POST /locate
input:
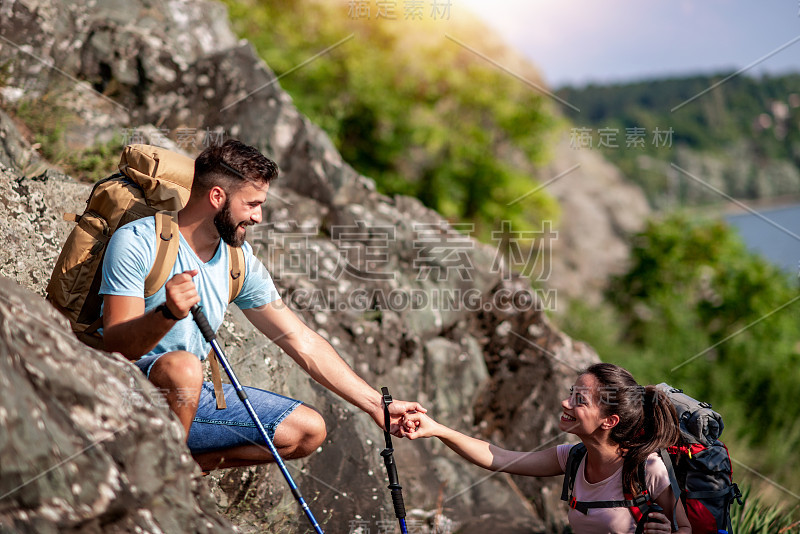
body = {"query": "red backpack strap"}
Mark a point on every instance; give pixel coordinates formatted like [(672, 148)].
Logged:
[(640, 511)]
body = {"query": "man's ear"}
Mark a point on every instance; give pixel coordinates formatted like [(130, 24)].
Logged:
[(610, 422), (217, 196)]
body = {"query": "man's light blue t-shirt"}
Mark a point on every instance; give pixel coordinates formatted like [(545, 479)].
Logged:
[(130, 256)]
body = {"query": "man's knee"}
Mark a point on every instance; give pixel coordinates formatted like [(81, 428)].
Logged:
[(179, 368), (305, 429), (316, 432)]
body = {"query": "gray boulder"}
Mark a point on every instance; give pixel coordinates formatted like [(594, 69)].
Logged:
[(85, 444)]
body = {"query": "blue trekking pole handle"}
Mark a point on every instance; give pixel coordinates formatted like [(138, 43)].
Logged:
[(210, 337), (391, 467)]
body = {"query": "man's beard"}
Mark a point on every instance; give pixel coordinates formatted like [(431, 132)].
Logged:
[(227, 227)]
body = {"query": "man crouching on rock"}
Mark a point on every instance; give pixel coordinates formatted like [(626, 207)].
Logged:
[(157, 332)]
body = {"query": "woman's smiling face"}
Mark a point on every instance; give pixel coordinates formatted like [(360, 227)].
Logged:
[(582, 415)]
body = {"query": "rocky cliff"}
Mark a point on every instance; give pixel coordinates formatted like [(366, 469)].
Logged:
[(406, 300)]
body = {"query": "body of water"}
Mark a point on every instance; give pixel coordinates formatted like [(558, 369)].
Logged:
[(775, 234)]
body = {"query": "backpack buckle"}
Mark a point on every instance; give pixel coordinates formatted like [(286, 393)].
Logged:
[(573, 503), (737, 494)]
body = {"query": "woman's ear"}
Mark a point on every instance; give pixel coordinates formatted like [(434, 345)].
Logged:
[(610, 422)]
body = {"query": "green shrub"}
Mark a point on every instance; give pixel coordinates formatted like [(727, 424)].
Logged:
[(423, 117), (697, 310), (760, 517)]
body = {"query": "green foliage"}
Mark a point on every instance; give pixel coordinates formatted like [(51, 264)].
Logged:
[(5, 69), (407, 107), (722, 125), (697, 310), (94, 163), (759, 517), (48, 120), (722, 319)]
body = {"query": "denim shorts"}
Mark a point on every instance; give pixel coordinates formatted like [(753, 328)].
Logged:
[(214, 430)]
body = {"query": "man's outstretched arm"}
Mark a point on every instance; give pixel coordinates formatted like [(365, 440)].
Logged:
[(319, 359)]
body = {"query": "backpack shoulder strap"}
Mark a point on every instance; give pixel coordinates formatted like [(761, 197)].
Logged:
[(167, 241), (640, 514), (235, 284), (576, 454), (673, 483), (641, 511), (237, 270)]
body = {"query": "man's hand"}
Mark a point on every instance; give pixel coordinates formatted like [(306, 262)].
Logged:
[(397, 411), (181, 293), (127, 329)]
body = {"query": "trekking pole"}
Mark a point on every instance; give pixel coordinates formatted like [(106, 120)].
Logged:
[(391, 468), (208, 334)]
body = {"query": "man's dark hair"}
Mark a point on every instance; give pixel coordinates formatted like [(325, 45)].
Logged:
[(230, 166)]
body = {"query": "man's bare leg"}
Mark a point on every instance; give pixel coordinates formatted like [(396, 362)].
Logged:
[(297, 436), (179, 375)]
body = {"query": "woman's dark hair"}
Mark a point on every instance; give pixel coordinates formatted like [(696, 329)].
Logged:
[(230, 166), (647, 419)]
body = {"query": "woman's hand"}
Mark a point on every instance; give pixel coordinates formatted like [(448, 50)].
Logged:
[(657, 523), (419, 425)]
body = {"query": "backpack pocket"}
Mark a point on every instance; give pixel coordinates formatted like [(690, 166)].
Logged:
[(79, 263), (709, 489)]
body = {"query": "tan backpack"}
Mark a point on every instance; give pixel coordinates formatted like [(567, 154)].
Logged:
[(152, 182)]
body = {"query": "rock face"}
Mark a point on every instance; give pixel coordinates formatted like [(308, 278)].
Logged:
[(83, 448), (599, 208), (407, 301)]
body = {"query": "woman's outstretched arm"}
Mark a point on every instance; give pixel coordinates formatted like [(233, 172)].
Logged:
[(481, 453)]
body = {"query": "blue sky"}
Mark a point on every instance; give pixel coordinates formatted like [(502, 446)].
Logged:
[(580, 41)]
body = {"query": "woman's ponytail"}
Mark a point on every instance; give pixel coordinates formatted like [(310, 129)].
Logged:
[(659, 430)]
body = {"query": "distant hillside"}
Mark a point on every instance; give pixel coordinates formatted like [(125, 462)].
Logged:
[(742, 136)]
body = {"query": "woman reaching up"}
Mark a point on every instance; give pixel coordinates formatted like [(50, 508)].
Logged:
[(622, 426)]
